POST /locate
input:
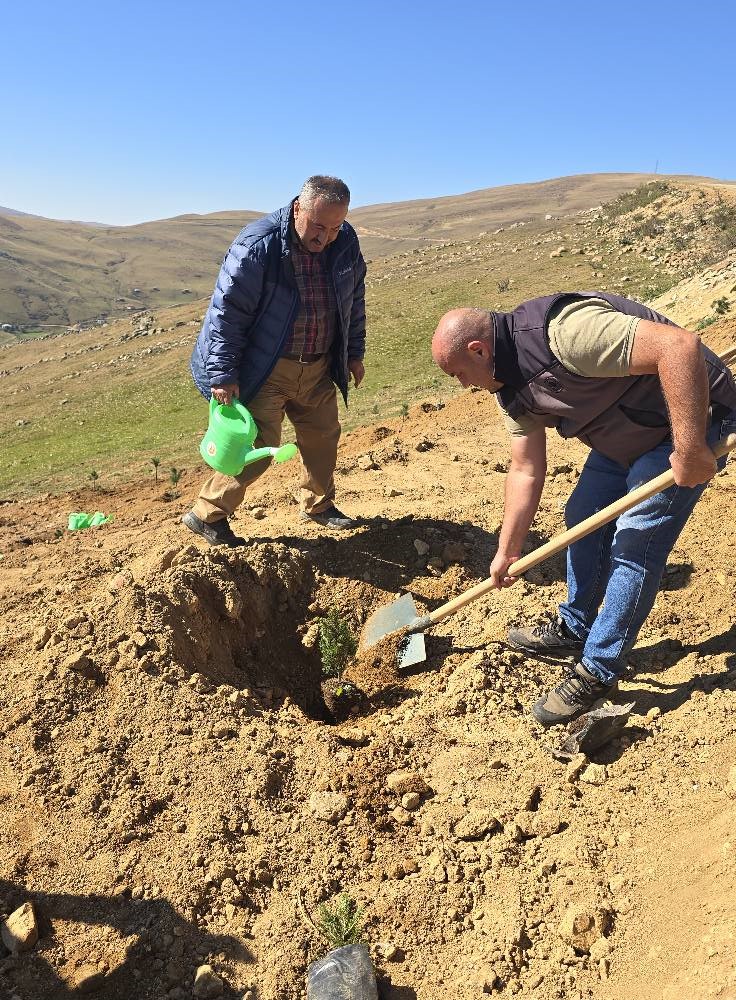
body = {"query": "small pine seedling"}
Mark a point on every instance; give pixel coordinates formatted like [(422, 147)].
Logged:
[(174, 476), (342, 923), (404, 411), (337, 643), (94, 476), (155, 462)]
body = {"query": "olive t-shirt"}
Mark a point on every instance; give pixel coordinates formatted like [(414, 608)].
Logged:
[(590, 338)]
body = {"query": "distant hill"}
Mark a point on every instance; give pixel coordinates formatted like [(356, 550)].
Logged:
[(65, 272)]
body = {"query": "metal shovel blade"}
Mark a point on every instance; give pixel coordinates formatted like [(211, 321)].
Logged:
[(392, 618)]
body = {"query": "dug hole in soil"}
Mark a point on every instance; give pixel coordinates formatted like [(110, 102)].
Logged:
[(174, 793)]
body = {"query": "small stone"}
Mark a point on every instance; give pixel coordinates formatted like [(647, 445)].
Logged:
[(476, 824), (354, 736), (594, 774), (366, 462), (207, 984), (185, 555), (41, 636), (583, 923), (653, 713), (139, 640), (389, 951), (574, 767), (402, 816), (19, 931), (311, 636), (120, 581), (600, 949), (411, 801), (401, 782), (223, 730), (328, 806), (421, 546), (80, 663), (258, 513)]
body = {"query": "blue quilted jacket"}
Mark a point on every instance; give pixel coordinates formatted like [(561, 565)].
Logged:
[(255, 302)]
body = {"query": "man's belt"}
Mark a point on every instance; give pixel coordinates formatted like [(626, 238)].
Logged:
[(304, 359)]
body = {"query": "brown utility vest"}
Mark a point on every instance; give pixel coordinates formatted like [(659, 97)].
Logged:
[(622, 418)]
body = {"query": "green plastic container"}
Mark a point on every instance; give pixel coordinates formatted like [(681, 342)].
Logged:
[(80, 520), (227, 447)]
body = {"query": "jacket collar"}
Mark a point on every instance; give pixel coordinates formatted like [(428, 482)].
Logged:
[(505, 361)]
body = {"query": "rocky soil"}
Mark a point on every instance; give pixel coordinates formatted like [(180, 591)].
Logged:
[(176, 801)]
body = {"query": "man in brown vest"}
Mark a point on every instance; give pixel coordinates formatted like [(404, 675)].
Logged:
[(645, 395)]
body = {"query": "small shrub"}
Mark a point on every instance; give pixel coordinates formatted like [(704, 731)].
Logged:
[(94, 476), (342, 923), (503, 284), (648, 228), (337, 643), (724, 216), (708, 321), (721, 306), (155, 462), (404, 411), (174, 476)]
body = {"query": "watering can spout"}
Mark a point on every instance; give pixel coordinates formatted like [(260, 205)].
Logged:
[(282, 454)]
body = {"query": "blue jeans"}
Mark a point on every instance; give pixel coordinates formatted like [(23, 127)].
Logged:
[(620, 566)]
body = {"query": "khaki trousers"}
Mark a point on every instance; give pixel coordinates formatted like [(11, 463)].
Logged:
[(306, 394)]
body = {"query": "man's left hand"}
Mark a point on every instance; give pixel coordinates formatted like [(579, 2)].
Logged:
[(357, 370)]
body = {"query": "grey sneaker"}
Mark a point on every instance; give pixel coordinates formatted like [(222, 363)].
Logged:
[(217, 533), (551, 636), (330, 518), (578, 692)]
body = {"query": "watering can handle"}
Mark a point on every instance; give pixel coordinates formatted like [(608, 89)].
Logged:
[(561, 541), (234, 402)]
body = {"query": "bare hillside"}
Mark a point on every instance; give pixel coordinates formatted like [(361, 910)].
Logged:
[(64, 272)]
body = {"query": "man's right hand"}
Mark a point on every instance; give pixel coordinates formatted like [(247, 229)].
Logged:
[(226, 393), (693, 467), (498, 572)]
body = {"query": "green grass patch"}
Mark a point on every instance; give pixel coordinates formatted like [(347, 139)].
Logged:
[(640, 197)]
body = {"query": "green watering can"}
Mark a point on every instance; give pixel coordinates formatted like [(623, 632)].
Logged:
[(228, 444)]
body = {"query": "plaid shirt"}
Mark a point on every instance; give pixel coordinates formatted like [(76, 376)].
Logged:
[(315, 323)]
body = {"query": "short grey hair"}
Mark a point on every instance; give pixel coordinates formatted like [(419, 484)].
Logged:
[(320, 187)]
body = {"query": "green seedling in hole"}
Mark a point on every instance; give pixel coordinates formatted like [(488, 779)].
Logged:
[(174, 476), (155, 462), (337, 643), (404, 411), (342, 923)]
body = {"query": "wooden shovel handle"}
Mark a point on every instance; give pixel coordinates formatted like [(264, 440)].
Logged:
[(559, 542)]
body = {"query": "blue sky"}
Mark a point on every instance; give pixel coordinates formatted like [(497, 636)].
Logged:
[(123, 112)]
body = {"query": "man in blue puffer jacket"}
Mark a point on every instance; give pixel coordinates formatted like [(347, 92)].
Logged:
[(286, 324)]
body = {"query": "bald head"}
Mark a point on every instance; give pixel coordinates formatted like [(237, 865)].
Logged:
[(462, 346)]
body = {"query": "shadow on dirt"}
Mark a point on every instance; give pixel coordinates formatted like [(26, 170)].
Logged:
[(666, 653), (144, 966)]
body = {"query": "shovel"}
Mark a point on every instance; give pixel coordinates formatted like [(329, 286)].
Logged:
[(401, 614)]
